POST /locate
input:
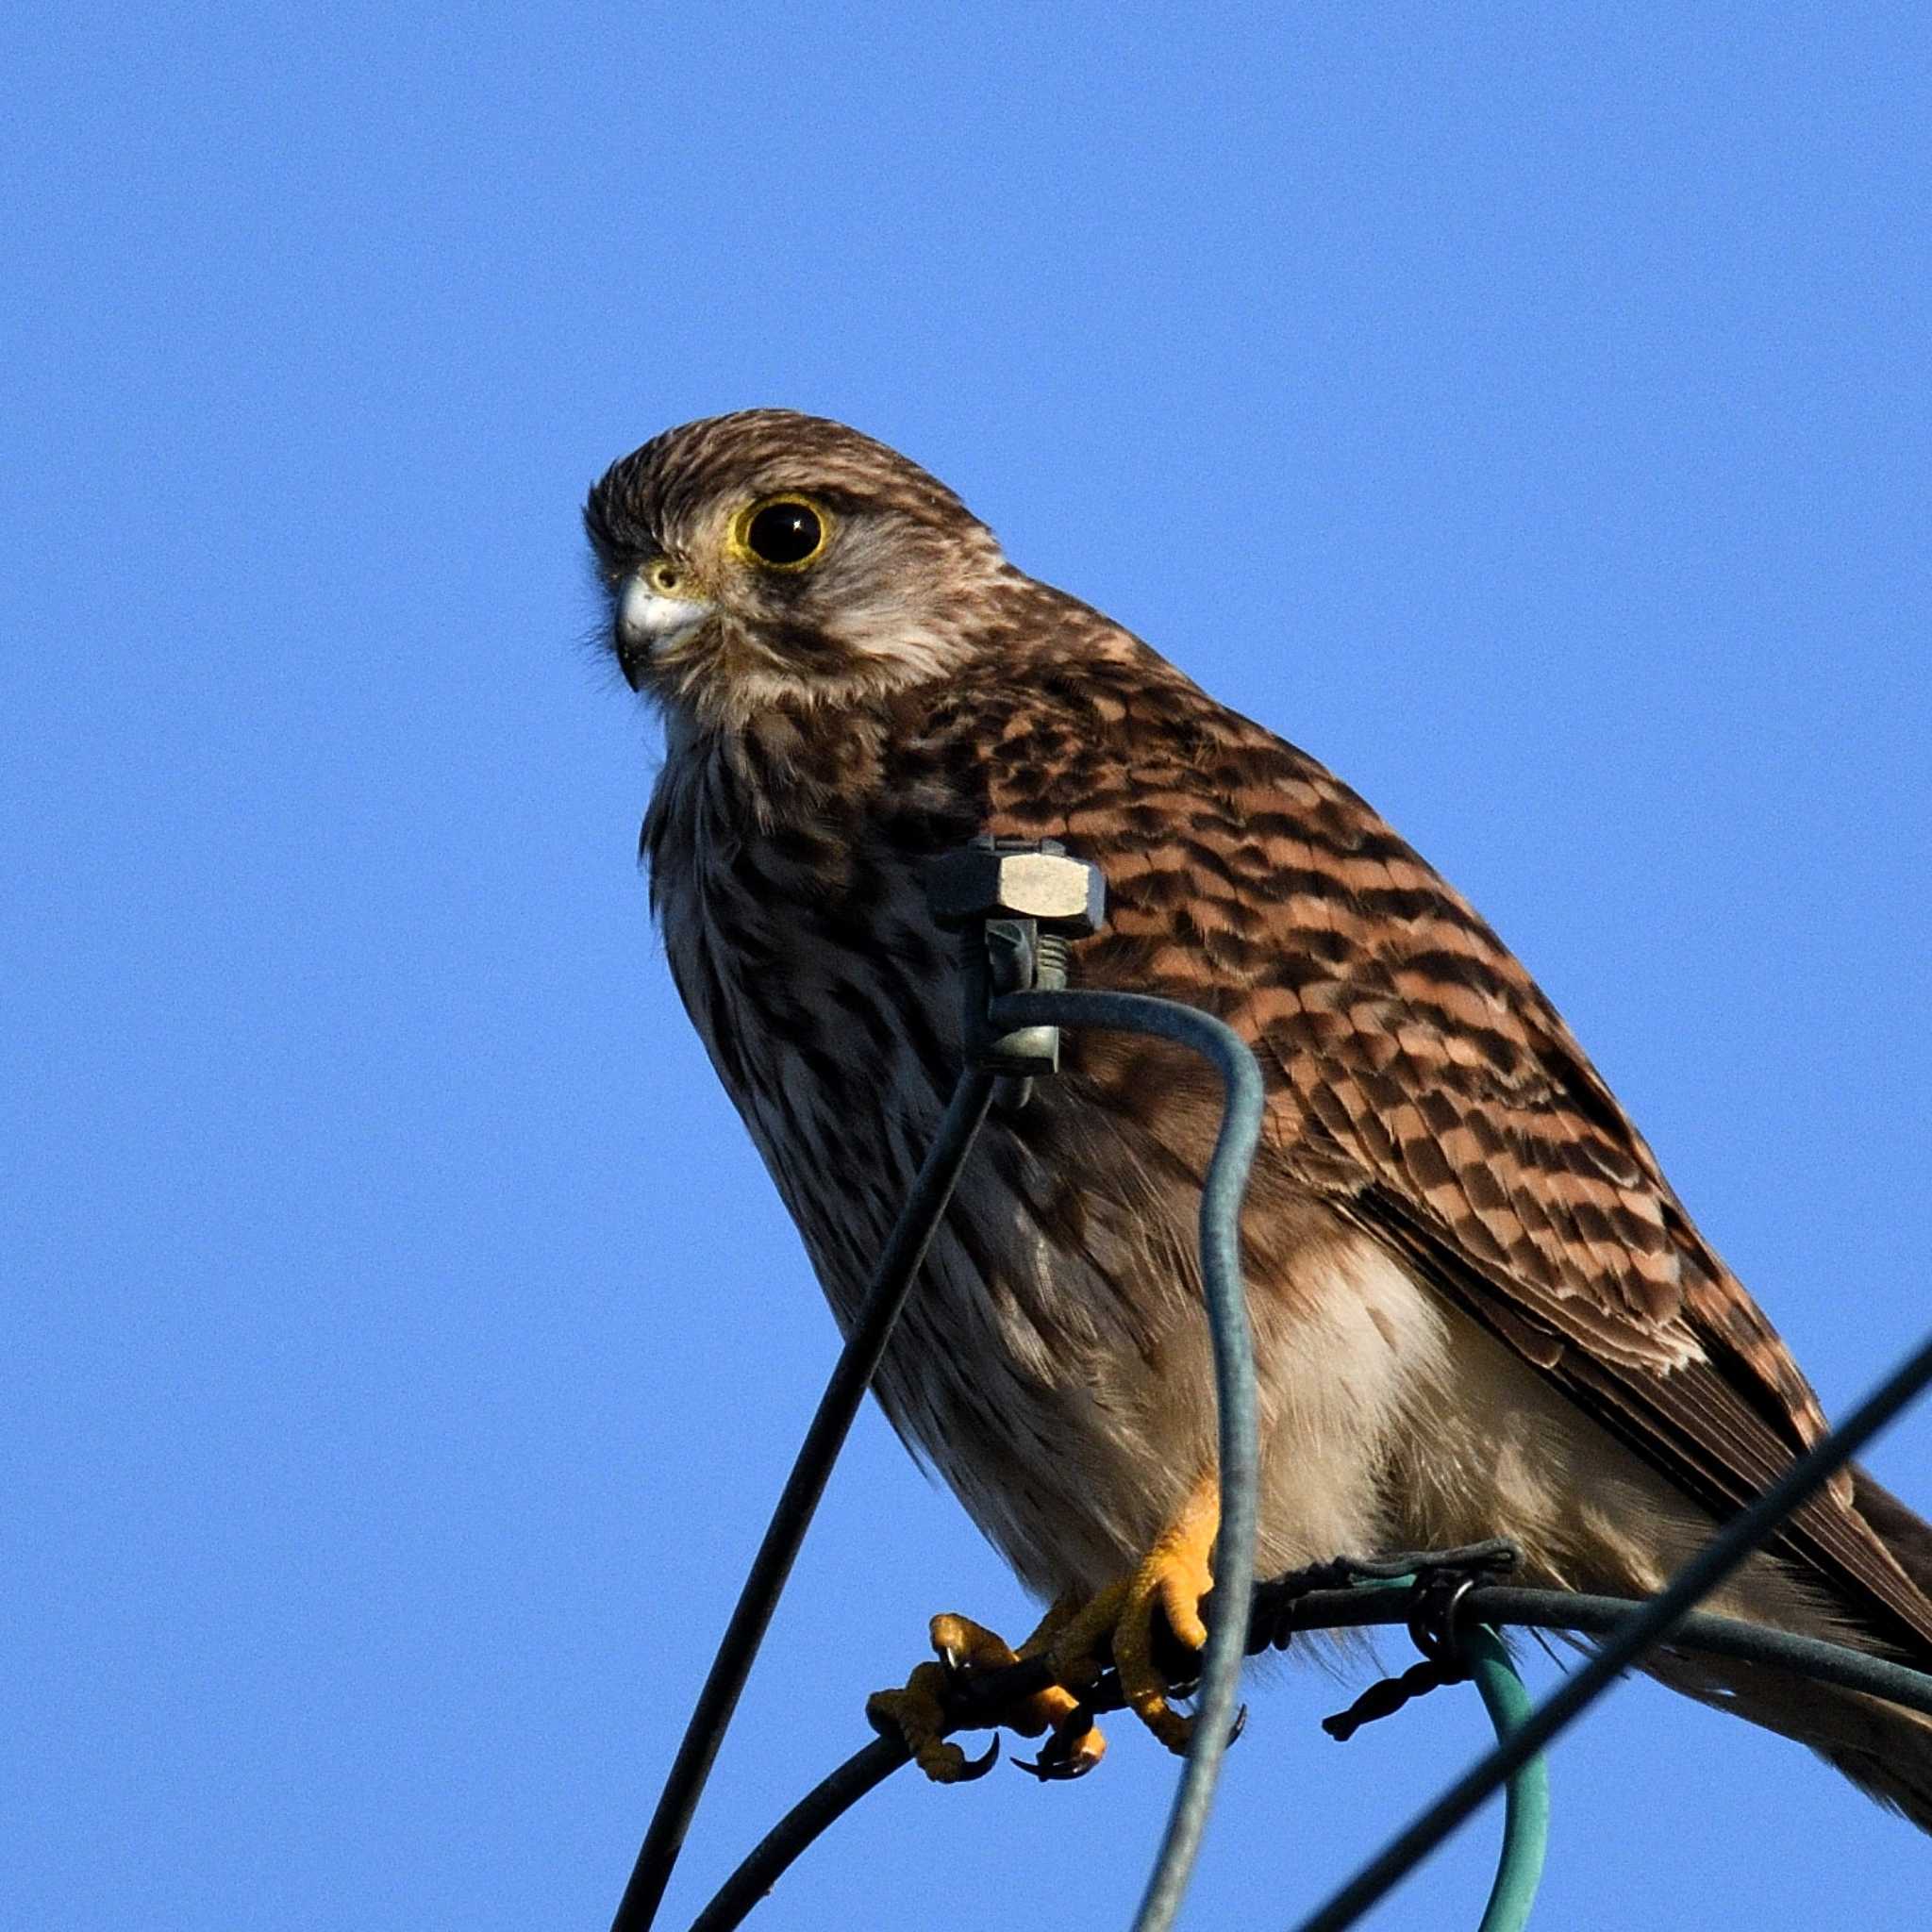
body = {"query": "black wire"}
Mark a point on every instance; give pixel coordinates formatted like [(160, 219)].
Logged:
[(1226, 1183), (1311, 1611), (891, 1281), (1754, 1644), (816, 1813), (971, 1702), (1599, 1616), (1746, 1532)]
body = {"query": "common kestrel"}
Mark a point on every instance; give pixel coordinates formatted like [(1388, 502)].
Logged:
[(1479, 1309)]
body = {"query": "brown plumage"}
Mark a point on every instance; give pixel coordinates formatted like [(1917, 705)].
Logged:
[(1479, 1307)]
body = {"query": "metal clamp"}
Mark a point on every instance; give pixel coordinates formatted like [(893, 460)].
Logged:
[(1017, 903)]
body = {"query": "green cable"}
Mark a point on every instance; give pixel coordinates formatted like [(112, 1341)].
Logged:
[(1526, 1797)]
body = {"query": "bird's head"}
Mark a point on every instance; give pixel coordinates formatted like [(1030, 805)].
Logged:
[(768, 559)]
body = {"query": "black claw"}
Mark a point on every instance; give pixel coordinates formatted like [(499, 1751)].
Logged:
[(1050, 1770), (1240, 1724), (978, 1767), (1057, 1763)]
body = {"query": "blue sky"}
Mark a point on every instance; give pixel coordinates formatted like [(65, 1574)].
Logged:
[(1526, 414)]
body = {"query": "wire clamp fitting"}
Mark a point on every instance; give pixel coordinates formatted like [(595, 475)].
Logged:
[(1017, 904), (1432, 1611), (1442, 1580)]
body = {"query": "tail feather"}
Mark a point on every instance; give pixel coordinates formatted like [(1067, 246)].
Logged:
[(1903, 1532), (1896, 1768), (1883, 1748)]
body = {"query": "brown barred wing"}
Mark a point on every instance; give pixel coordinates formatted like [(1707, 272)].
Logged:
[(1486, 1151), (1425, 1087)]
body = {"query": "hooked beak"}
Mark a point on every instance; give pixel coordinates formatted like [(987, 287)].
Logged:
[(649, 622)]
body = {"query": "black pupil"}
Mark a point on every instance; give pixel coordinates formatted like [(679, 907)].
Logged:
[(784, 533)]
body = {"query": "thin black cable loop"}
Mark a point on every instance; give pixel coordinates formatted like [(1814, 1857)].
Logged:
[(1222, 1193), (815, 1813), (1312, 1610), (891, 1281), (1226, 1184), (1746, 1532)]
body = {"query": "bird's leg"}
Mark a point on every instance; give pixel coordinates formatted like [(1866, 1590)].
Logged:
[(917, 1712), (1079, 1640), (1076, 1744), (1171, 1579)]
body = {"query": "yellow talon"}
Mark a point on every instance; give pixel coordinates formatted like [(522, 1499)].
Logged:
[(1171, 1579), (918, 1712), (1078, 1640)]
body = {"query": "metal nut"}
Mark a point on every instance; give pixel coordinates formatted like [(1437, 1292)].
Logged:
[(1038, 882)]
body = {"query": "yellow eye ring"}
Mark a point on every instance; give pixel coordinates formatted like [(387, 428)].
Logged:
[(784, 532)]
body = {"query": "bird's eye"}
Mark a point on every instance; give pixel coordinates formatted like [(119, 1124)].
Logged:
[(785, 532)]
